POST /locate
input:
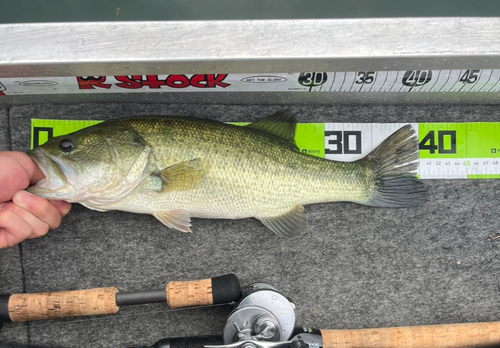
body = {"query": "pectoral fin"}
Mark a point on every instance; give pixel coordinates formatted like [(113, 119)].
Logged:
[(182, 176), (177, 219), (290, 225)]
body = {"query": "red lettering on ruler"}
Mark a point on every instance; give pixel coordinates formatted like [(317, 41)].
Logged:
[(137, 81), (214, 80), (177, 81), (91, 82), (209, 81), (199, 81), (153, 82), (131, 82), (2, 88)]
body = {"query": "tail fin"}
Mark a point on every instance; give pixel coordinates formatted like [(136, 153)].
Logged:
[(394, 164)]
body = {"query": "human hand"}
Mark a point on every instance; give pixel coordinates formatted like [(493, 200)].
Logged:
[(22, 214)]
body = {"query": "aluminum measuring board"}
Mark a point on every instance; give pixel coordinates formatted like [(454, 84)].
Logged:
[(389, 60), (447, 150)]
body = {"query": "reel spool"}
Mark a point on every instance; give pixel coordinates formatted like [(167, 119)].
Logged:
[(263, 314)]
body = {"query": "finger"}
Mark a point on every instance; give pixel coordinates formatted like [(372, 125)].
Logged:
[(62, 207), (38, 227), (39, 207), (13, 229), (18, 171), (36, 175), (32, 170)]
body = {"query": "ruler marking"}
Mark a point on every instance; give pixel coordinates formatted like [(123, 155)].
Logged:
[(494, 85), (449, 74), (402, 85), (393, 85), (343, 81), (476, 82), (363, 85), (464, 84), (373, 84), (417, 88), (333, 81), (335, 86), (458, 81), (318, 88), (383, 83), (444, 76), (347, 74), (388, 83), (352, 84), (466, 144), (397, 81), (492, 74), (488, 80), (439, 74)]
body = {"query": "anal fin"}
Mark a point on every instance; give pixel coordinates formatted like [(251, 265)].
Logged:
[(290, 225), (176, 219)]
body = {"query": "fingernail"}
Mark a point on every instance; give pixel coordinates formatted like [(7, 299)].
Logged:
[(22, 197), (1, 205)]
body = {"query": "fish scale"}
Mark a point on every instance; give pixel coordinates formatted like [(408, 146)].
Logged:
[(258, 170), (182, 167)]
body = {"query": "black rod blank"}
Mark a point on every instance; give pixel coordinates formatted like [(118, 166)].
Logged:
[(140, 297)]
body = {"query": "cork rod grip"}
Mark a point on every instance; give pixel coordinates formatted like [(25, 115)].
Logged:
[(189, 293), (433, 336), (64, 304)]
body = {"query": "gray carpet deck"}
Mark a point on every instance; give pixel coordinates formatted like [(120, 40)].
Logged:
[(357, 267)]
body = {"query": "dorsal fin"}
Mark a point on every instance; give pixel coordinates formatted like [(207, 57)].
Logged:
[(281, 124)]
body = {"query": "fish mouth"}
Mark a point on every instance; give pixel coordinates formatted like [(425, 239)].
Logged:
[(37, 156), (54, 170)]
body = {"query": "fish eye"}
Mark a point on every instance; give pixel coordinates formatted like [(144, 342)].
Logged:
[(66, 145)]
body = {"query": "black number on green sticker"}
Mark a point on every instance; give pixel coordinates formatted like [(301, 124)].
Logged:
[(446, 142), (346, 142), (37, 131), (447, 138)]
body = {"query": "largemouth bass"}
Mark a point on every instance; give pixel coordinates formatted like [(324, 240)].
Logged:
[(176, 168)]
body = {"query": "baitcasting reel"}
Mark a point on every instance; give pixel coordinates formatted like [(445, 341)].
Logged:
[(264, 318), (263, 314)]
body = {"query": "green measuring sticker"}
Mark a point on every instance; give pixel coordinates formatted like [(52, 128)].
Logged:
[(308, 137), (43, 130), (462, 150), (468, 150)]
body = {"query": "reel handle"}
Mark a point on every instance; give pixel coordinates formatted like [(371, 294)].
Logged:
[(75, 303), (431, 336)]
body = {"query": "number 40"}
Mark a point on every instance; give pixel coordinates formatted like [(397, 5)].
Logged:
[(429, 142)]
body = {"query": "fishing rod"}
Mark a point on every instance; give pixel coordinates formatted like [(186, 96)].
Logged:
[(264, 318), (220, 290)]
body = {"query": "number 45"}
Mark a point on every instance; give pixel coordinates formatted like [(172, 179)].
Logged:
[(470, 76)]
